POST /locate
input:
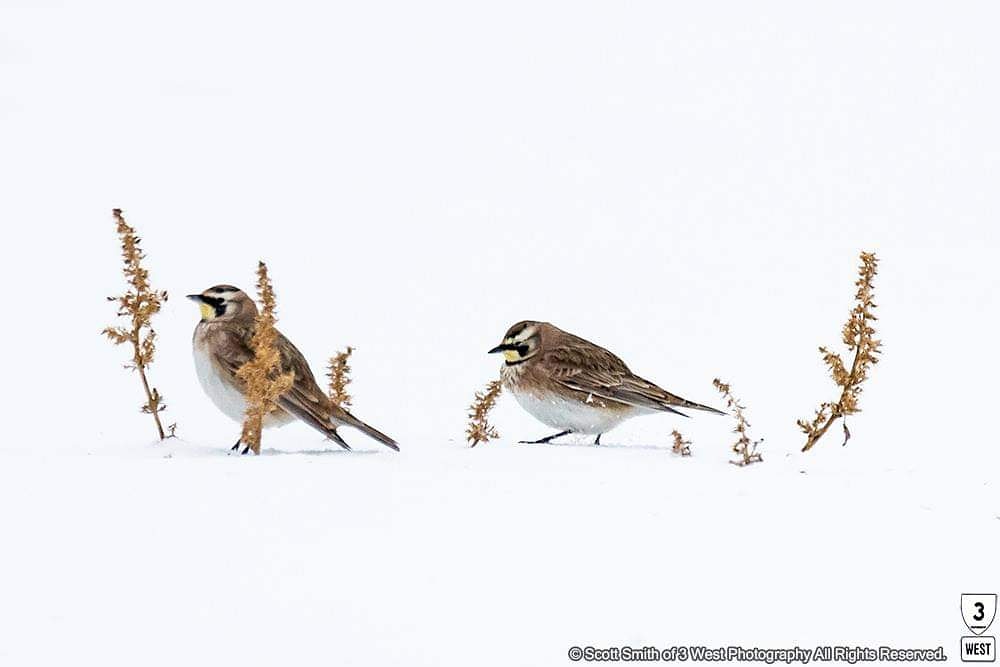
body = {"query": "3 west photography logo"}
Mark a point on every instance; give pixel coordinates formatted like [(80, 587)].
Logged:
[(978, 612)]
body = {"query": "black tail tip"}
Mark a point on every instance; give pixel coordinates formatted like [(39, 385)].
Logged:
[(333, 435)]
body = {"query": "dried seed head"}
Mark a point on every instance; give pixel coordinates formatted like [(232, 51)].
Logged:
[(681, 446), (339, 372), (138, 305), (479, 429), (744, 447), (262, 374), (857, 335)]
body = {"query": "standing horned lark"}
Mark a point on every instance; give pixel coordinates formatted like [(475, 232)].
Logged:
[(575, 386), (222, 345)]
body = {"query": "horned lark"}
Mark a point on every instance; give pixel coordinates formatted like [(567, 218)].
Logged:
[(572, 385), (222, 344)]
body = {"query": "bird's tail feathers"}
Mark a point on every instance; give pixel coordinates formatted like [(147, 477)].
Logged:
[(333, 435), (350, 420), (678, 402)]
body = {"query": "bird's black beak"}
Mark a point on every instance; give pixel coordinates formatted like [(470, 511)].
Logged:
[(196, 297), (501, 348)]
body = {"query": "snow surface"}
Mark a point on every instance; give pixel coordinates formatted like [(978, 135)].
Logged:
[(687, 185)]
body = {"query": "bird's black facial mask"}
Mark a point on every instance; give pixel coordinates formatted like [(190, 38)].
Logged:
[(513, 353), (211, 306)]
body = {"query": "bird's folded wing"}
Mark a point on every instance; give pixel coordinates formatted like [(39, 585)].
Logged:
[(304, 399), (604, 375), (230, 352)]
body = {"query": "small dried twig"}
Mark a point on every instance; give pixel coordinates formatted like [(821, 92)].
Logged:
[(480, 430), (744, 447), (138, 304), (858, 335), (262, 374), (339, 373), (681, 446)]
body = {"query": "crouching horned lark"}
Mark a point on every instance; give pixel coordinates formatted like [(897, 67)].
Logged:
[(575, 386), (222, 345)]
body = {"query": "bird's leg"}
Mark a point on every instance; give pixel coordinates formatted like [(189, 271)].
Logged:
[(545, 440), (237, 445), (245, 451), (598, 440)]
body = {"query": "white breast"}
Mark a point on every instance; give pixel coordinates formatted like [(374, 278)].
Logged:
[(226, 397), (564, 413)]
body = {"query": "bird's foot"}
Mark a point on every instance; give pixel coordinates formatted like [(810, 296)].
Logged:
[(545, 440)]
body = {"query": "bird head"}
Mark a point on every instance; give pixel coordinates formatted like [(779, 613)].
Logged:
[(224, 302), (521, 342)]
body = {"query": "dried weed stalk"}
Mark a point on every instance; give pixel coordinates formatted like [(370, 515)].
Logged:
[(264, 381), (858, 336), (480, 429), (339, 373), (745, 448), (681, 446), (138, 304)]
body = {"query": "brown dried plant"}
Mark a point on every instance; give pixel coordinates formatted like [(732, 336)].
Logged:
[(744, 447), (262, 374), (858, 335), (138, 304), (339, 373), (480, 429), (681, 446)]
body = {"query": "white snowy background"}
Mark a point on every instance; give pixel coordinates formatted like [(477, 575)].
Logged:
[(687, 184)]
